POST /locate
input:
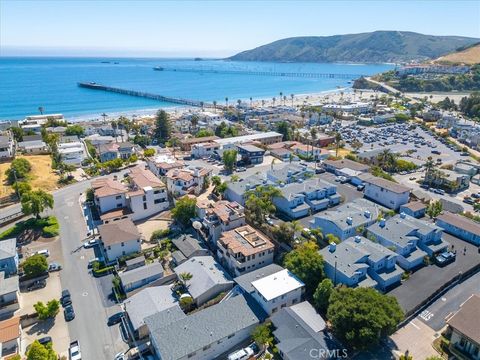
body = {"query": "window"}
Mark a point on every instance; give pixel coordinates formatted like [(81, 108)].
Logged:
[(191, 354), (230, 336), (144, 198), (157, 192), (206, 347), (274, 310), (123, 244), (463, 342), (118, 197), (158, 201), (119, 205)]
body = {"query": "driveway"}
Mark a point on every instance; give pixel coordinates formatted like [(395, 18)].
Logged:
[(425, 281)]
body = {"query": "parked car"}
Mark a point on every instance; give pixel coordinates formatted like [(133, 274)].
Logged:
[(38, 284), (476, 196), (412, 178), (120, 356), (445, 258), (241, 169), (242, 354), (54, 267), (66, 299), (269, 221), (92, 261), (319, 170), (439, 191), (436, 152), (90, 243), (115, 319), (74, 351), (69, 313), (360, 187), (468, 200), (44, 252)]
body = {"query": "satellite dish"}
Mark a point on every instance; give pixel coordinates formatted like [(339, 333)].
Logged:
[(197, 225)]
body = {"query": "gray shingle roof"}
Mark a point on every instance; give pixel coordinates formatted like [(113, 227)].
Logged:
[(296, 338), (188, 245), (206, 272), (245, 280), (147, 302), (118, 231), (205, 327), (142, 272), (8, 248), (8, 285)]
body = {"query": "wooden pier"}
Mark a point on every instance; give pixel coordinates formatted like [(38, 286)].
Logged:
[(310, 75), (147, 95)]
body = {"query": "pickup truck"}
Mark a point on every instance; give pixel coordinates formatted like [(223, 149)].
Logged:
[(74, 351)]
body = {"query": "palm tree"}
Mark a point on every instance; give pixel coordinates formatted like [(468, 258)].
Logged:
[(273, 163), (194, 121), (291, 97), (273, 100), (40, 109), (226, 101), (104, 117), (284, 99), (114, 127), (263, 102), (251, 99), (281, 95), (338, 141), (215, 105), (313, 134), (185, 277)]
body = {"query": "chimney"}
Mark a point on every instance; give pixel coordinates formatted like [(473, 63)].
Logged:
[(382, 222), (367, 214), (332, 247), (358, 239), (403, 215), (349, 220)]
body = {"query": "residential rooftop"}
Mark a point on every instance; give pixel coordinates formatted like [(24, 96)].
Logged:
[(387, 184), (277, 284), (245, 280), (118, 231), (467, 319), (245, 240), (461, 222)]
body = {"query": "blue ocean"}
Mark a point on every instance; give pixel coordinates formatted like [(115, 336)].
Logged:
[(28, 83)]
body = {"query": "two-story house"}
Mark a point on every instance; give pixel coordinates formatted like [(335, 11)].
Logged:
[(278, 290), (119, 238), (9, 292), (7, 148), (244, 249), (386, 192), (181, 182), (250, 154), (412, 239), (8, 256), (222, 216), (460, 226), (302, 198), (348, 219), (360, 262)]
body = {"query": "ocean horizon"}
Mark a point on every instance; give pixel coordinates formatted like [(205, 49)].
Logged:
[(26, 83)]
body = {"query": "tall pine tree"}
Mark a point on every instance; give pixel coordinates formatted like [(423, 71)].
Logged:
[(163, 128)]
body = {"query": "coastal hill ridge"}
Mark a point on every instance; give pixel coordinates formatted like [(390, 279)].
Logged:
[(371, 47)]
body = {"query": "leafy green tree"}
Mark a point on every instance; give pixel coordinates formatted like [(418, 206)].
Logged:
[(19, 168), (204, 133), (185, 277), (285, 129), (259, 203), (332, 239), (400, 117), (21, 187), (148, 152), (47, 311), (229, 158), (434, 209), (77, 130), (186, 303), (17, 133), (360, 317), (141, 140), (35, 202), (338, 142), (262, 335), (35, 265), (321, 297), (306, 262), (184, 210), (38, 351), (163, 127)]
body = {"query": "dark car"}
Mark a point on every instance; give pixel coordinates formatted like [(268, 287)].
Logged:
[(43, 341), (115, 319), (319, 171), (38, 284), (69, 313), (445, 258), (360, 187), (66, 299)]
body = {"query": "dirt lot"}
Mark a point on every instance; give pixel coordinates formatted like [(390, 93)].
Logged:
[(147, 227), (42, 176)]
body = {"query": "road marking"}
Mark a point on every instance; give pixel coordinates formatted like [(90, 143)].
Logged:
[(426, 315), (85, 294), (66, 217), (444, 299), (82, 257), (413, 324)]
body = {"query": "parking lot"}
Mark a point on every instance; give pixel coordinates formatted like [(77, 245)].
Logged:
[(427, 280)]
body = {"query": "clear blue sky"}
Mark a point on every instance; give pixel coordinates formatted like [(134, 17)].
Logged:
[(211, 28)]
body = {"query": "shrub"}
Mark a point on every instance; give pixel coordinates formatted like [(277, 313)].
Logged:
[(35, 265), (159, 234), (47, 311), (19, 168)]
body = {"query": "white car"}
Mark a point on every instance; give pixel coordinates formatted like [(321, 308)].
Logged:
[(120, 356), (242, 354), (74, 351), (43, 252), (90, 243)]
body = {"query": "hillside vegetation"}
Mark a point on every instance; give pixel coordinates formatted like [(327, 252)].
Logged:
[(378, 46), (469, 56)]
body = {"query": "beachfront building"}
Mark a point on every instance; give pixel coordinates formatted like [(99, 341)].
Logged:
[(360, 262), (385, 192), (412, 239), (34, 123), (181, 182), (72, 152), (348, 219), (244, 249)]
